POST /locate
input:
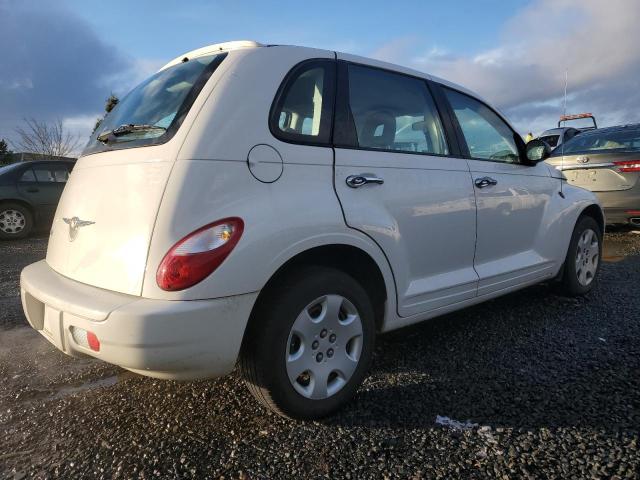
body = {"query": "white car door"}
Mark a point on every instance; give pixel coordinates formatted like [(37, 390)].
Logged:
[(399, 182), (512, 198)]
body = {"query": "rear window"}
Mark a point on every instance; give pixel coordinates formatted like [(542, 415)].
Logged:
[(160, 104), (627, 140)]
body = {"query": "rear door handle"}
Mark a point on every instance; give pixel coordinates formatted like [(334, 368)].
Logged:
[(355, 181), (33, 189), (485, 182)]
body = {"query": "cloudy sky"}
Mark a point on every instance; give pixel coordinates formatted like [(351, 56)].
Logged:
[(62, 59)]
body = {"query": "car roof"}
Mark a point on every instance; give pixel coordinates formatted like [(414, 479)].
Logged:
[(251, 44)]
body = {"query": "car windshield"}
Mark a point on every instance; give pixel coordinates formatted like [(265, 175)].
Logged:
[(616, 140), (156, 107), (8, 168)]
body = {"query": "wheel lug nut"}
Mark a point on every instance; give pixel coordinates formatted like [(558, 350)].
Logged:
[(315, 344), (323, 333), (330, 353), (319, 357), (332, 337)]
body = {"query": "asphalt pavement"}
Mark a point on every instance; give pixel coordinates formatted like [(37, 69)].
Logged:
[(531, 385)]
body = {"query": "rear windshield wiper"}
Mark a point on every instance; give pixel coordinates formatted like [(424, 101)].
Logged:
[(105, 136)]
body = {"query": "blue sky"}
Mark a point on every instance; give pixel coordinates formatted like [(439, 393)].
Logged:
[(65, 57), (170, 28)]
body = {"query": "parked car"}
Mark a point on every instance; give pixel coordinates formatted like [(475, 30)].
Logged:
[(556, 136), (280, 205), (607, 162), (29, 194)]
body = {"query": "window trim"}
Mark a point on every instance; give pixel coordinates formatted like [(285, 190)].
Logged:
[(463, 141), (324, 138), (344, 118)]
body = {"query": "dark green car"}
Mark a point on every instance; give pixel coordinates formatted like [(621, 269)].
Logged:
[(29, 194), (607, 162)]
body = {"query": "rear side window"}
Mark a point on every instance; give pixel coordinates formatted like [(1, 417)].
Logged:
[(47, 174), (394, 112), (44, 174), (488, 137), (303, 108)]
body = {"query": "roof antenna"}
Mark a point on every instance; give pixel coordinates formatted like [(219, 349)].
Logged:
[(564, 114)]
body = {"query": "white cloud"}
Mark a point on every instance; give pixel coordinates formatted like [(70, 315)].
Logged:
[(597, 42)]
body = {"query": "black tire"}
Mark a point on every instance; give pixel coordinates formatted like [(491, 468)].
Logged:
[(569, 284), (262, 358), (27, 221)]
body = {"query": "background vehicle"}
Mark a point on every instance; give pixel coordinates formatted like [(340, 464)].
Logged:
[(587, 119), (29, 194), (607, 162), (282, 205), (556, 136)]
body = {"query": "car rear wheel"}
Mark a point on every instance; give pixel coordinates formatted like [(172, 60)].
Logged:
[(309, 346), (583, 260), (16, 221)]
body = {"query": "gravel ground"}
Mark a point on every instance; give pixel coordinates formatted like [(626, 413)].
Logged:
[(531, 385)]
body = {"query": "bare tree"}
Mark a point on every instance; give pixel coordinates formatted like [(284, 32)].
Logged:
[(47, 139)]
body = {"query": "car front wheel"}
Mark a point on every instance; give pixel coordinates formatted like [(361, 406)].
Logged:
[(308, 348)]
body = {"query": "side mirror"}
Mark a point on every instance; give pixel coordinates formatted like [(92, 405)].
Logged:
[(537, 151)]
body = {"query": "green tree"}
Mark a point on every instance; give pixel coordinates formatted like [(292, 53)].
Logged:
[(6, 155), (109, 105)]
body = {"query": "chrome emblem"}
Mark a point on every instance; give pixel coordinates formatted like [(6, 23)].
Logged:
[(74, 224), (582, 159)]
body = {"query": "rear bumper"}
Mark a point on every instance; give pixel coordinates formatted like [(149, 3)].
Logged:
[(158, 338), (616, 204)]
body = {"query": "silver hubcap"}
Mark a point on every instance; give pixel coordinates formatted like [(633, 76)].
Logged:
[(324, 347), (11, 221), (587, 257)]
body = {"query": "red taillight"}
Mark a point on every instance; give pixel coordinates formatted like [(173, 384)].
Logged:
[(92, 340), (198, 254), (628, 165)]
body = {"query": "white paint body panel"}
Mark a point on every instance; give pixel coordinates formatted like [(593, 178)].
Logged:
[(419, 227), (424, 219)]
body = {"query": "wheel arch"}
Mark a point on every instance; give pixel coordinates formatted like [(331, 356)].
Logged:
[(348, 258), (594, 211), (22, 202)]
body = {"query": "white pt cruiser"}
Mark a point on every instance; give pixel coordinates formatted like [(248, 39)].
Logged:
[(278, 206)]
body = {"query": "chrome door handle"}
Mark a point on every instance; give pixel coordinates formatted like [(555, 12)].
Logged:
[(485, 182), (355, 181)]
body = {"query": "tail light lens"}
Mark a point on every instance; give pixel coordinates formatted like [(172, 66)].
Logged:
[(628, 165), (198, 254)]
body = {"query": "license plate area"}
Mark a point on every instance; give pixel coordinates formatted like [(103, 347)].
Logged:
[(582, 177)]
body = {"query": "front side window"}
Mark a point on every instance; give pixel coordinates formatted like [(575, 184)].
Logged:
[(303, 109), (551, 140), (156, 107), (28, 176), (487, 136), (394, 112)]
